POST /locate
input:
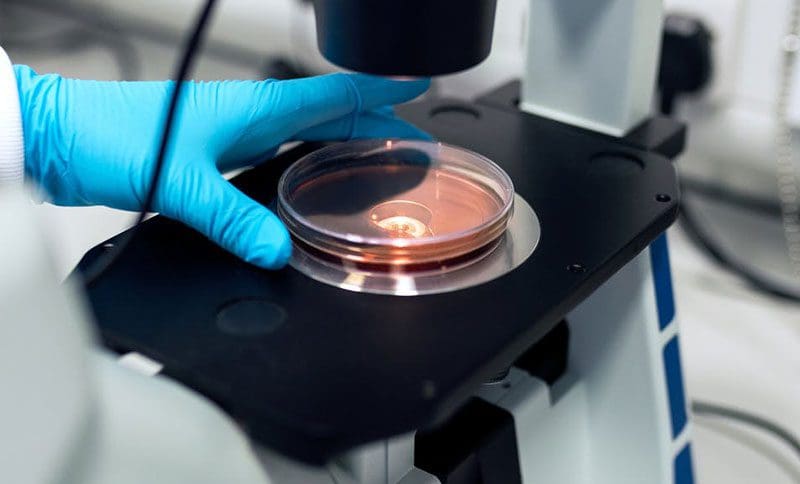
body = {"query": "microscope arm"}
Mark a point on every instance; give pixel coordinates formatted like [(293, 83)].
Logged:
[(593, 64)]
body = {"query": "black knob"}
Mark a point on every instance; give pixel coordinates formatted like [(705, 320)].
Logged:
[(686, 58)]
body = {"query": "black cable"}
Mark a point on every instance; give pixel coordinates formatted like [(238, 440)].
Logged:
[(731, 196), (685, 61), (761, 281), (714, 410), (692, 226), (92, 273)]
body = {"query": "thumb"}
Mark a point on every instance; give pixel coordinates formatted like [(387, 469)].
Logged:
[(232, 220)]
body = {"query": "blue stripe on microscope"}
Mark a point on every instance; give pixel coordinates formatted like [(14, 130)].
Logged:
[(665, 303), (675, 393), (659, 259), (684, 473)]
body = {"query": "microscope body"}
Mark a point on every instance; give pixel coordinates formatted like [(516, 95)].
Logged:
[(617, 411)]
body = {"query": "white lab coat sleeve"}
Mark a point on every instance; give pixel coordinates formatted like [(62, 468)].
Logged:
[(12, 147)]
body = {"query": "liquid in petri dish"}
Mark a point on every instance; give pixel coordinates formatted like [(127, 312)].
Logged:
[(396, 201), (385, 205)]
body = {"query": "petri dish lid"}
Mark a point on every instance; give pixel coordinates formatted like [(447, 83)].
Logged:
[(395, 204)]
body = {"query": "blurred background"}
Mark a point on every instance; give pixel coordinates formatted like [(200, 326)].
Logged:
[(730, 252)]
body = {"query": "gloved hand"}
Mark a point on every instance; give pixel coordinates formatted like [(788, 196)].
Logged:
[(95, 143)]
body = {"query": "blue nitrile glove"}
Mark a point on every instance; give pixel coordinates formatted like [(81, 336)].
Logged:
[(95, 143)]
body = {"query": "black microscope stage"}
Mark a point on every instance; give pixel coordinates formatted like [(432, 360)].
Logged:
[(312, 370)]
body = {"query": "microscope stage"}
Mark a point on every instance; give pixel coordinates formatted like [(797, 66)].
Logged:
[(312, 370)]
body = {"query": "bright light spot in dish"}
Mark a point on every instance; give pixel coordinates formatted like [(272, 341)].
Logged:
[(403, 227), (402, 219)]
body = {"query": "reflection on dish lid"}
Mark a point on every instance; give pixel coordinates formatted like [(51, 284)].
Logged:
[(398, 206)]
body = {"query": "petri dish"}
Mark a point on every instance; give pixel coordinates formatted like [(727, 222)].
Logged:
[(395, 206)]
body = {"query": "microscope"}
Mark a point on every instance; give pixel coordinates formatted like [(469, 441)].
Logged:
[(562, 368)]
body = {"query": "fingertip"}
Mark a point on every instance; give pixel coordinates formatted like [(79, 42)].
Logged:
[(378, 91), (424, 83), (418, 82), (273, 248), (416, 85)]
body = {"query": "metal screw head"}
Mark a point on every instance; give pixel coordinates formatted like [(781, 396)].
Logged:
[(576, 268)]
